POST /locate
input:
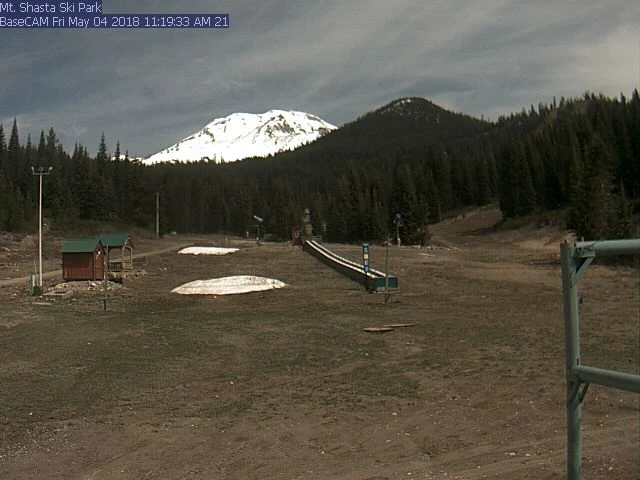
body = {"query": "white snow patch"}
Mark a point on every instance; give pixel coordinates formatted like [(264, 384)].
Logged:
[(207, 251), (229, 285)]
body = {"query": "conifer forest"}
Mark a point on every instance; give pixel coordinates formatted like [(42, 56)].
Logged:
[(579, 156)]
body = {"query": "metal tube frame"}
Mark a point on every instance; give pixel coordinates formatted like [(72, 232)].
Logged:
[(575, 258)]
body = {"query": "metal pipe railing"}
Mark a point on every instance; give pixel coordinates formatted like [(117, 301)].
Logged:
[(607, 248), (609, 378)]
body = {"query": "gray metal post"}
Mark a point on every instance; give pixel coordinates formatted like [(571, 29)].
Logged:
[(608, 248), (386, 272), (40, 237), (572, 360), (609, 378), (157, 215), (41, 171), (575, 259)]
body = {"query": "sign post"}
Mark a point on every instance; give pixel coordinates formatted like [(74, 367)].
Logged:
[(365, 257)]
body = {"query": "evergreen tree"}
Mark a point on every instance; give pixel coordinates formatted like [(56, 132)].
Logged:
[(577, 210), (404, 202), (528, 196), (15, 211), (3, 151), (6, 197), (13, 153), (432, 197), (42, 151), (507, 185), (596, 202), (622, 224), (483, 180)]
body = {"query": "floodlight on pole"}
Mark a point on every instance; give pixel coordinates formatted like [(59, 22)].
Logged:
[(40, 172), (258, 220)]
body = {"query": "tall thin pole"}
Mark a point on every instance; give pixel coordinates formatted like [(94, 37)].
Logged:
[(40, 235), (157, 214), (41, 171), (572, 360), (386, 271)]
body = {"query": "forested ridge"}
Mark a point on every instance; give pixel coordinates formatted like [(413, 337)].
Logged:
[(409, 157)]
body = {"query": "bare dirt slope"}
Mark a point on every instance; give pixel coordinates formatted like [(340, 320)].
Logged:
[(285, 384)]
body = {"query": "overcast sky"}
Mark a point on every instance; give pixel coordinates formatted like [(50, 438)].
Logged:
[(336, 59)]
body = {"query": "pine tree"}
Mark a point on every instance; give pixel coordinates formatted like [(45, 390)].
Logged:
[(596, 202), (5, 194), (432, 197), (483, 181), (493, 174), (13, 153), (16, 214), (404, 202), (442, 176), (622, 224), (507, 185), (101, 156), (339, 227), (42, 151), (52, 142), (527, 197), (375, 226), (577, 209), (3, 151)]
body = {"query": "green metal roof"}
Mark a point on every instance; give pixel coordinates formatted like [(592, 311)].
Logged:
[(114, 239), (81, 245)]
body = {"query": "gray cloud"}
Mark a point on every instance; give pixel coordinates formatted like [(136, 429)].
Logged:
[(149, 88)]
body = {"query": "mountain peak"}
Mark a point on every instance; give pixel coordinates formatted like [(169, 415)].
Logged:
[(245, 135), (409, 107)]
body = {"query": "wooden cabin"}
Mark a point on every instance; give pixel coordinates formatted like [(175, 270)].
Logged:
[(119, 250), (82, 259)]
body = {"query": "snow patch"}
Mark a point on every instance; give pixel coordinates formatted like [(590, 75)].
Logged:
[(207, 251), (229, 285)]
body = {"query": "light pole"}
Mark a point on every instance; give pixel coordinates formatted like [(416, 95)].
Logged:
[(397, 221), (258, 220), (40, 172), (157, 215)]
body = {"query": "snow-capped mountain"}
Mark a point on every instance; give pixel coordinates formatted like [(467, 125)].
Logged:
[(244, 135)]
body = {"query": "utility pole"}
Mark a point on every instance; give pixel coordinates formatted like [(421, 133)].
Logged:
[(258, 220), (397, 221), (41, 171), (157, 214)]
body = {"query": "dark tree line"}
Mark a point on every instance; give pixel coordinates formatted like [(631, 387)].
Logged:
[(583, 155), (409, 157)]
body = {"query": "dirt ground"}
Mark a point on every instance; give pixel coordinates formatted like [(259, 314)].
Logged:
[(285, 384)]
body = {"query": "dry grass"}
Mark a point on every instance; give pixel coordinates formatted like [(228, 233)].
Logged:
[(285, 384)]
